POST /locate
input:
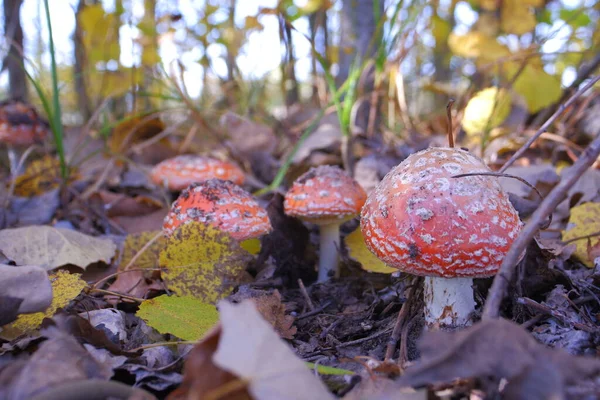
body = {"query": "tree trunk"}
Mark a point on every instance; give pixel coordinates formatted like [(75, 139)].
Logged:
[(358, 27), (13, 62), (231, 50), (319, 39), (288, 65), (357, 30), (85, 108)]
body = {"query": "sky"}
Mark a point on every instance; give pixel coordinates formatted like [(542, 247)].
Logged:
[(257, 59)]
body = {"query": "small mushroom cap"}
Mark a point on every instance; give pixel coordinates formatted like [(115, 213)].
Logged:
[(20, 124), (424, 222), (324, 195), (222, 204), (181, 171)]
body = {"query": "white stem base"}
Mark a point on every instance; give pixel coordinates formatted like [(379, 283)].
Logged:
[(13, 159), (329, 257), (449, 303)]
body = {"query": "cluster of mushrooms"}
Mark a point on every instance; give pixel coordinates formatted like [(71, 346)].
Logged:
[(421, 218)]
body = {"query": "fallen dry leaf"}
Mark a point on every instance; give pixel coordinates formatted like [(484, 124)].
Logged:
[(202, 261), (273, 311), (201, 376), (584, 221), (134, 243), (250, 349), (51, 247), (58, 360), (133, 283), (239, 129), (65, 287), (28, 283), (359, 251), (503, 350), (380, 388), (142, 223), (118, 204)]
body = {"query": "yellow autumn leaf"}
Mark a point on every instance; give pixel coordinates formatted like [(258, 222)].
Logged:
[(99, 33), (252, 246), (584, 220), (200, 260), (185, 317), (40, 176), (134, 129), (489, 5), (538, 88), (440, 28), (134, 243), (359, 251), (65, 287), (115, 83), (487, 109), (252, 23), (517, 17), (477, 45)]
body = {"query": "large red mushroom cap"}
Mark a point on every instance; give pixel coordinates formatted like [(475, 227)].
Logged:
[(324, 195), (181, 171), (424, 222), (20, 124), (221, 204)]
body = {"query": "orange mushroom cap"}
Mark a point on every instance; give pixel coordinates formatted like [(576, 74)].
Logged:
[(424, 222), (221, 204), (20, 124), (324, 195), (181, 171)]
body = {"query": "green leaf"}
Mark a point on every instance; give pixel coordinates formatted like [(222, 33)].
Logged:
[(185, 317), (538, 88), (577, 18)]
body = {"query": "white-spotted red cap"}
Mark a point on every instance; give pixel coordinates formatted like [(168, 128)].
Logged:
[(324, 195), (222, 204), (179, 172), (424, 222), (20, 124)]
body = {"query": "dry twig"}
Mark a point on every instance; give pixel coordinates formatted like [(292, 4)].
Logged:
[(505, 275), (549, 122)]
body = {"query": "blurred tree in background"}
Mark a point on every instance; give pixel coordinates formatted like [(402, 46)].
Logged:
[(133, 56)]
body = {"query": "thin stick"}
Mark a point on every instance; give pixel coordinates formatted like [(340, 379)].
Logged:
[(547, 206), (549, 122), (309, 302), (402, 314), (504, 175), (110, 293), (365, 339), (98, 282), (159, 344), (555, 314), (143, 249), (450, 130)]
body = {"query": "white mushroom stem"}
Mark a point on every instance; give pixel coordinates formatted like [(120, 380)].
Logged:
[(13, 159), (449, 303), (329, 247)]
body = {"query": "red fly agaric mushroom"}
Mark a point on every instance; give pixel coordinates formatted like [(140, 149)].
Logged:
[(20, 126), (222, 204), (179, 172), (423, 221), (328, 197)]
